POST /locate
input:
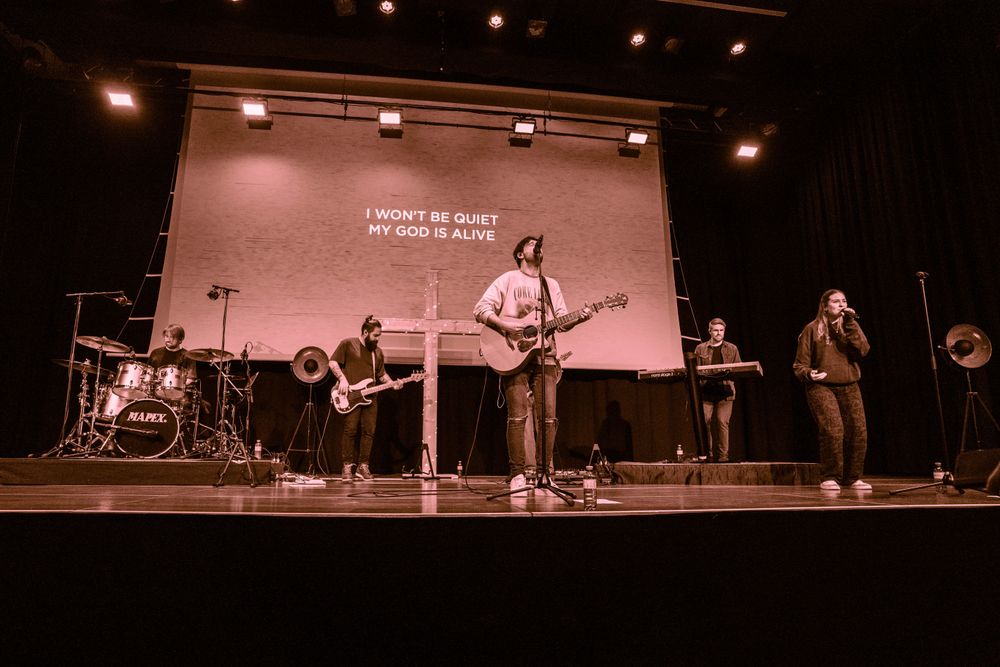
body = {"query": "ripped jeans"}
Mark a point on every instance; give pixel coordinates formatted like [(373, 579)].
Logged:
[(516, 388)]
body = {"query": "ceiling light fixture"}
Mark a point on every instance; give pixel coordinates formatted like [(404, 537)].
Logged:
[(495, 21), (256, 113), (536, 28), (747, 151), (524, 131), (638, 39), (636, 136), (121, 98), (390, 123), (387, 7), (738, 49)]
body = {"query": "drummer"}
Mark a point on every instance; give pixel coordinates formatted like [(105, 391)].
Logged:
[(173, 354)]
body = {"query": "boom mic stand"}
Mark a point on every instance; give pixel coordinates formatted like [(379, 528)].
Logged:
[(544, 480), (948, 479), (64, 437), (222, 437)]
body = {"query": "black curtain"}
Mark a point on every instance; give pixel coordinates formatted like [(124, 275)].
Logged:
[(897, 175), (891, 170)]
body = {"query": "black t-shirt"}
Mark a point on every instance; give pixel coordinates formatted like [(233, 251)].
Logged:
[(357, 362), (161, 356)]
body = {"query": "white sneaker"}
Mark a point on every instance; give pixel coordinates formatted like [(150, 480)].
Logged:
[(830, 485), (518, 483), (861, 485)]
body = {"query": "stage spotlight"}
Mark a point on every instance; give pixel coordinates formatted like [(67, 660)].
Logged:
[(536, 28), (672, 45), (345, 7), (121, 98), (638, 39), (636, 137), (524, 130), (495, 21), (738, 49), (256, 113), (390, 123), (387, 7), (747, 150)]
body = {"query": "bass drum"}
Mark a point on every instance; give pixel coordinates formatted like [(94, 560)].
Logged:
[(146, 429)]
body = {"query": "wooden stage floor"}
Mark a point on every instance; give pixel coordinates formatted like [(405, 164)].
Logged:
[(403, 571), (412, 498)]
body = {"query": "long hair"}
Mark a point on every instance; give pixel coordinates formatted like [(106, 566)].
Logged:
[(822, 330)]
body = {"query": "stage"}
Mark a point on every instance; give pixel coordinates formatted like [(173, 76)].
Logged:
[(431, 571)]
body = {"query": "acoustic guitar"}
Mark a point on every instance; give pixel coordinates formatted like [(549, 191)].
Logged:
[(508, 354)]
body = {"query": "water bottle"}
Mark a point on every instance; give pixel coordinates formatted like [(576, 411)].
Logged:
[(257, 449), (939, 476), (589, 489), (680, 453), (459, 471)]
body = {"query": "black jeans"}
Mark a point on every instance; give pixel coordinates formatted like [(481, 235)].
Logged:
[(843, 431), (363, 416)]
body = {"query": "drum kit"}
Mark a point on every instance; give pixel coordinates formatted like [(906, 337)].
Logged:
[(144, 412)]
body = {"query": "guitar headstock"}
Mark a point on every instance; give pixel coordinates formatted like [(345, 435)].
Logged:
[(616, 301), (417, 375)]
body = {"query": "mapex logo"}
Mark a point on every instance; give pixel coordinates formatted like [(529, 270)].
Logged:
[(147, 417)]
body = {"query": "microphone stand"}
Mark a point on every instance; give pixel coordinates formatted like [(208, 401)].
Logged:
[(543, 480), (233, 443), (948, 479), (64, 438)]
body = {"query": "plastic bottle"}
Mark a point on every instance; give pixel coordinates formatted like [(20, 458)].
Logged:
[(257, 449), (680, 453), (589, 489), (939, 476), (459, 471)]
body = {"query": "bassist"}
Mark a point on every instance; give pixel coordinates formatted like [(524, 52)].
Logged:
[(354, 360), (514, 295)]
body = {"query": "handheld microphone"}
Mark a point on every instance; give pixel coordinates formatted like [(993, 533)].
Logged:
[(849, 312), (538, 245)]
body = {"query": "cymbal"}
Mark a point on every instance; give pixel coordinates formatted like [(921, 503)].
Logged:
[(83, 367), (209, 354), (102, 343)]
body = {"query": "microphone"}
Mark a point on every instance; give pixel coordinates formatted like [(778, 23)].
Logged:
[(122, 300), (922, 275), (538, 245), (849, 312)]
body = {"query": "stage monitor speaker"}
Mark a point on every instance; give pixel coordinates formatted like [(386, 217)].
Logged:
[(974, 466)]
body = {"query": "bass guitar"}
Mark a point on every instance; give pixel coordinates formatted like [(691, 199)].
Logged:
[(509, 354), (357, 394)]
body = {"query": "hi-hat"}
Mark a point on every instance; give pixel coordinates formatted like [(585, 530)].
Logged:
[(209, 354), (102, 343), (310, 365), (84, 367), (968, 346)]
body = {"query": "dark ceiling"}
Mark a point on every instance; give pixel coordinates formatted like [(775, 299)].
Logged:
[(797, 49)]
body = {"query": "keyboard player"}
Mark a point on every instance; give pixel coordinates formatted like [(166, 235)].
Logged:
[(717, 395)]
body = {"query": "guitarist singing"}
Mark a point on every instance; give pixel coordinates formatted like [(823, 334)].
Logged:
[(516, 294), (354, 360)]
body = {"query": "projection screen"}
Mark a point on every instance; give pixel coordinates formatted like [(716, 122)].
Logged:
[(319, 221)]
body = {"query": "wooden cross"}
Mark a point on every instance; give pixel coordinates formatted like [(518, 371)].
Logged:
[(431, 327)]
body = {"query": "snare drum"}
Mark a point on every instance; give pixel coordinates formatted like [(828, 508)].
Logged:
[(146, 429), (133, 380), (109, 404), (171, 383)]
